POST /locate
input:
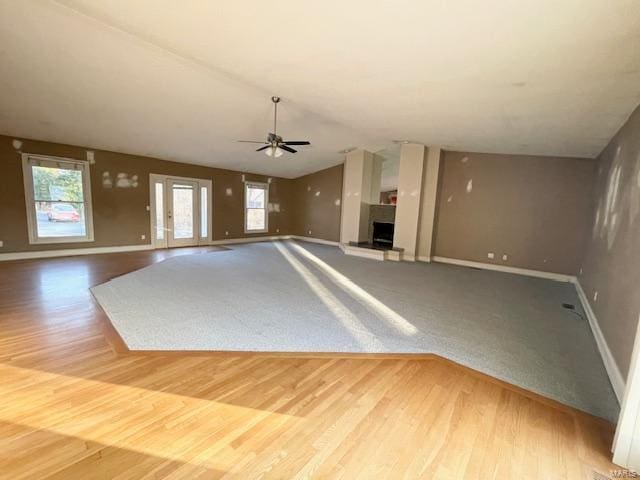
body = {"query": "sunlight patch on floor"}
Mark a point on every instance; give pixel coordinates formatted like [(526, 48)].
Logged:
[(368, 300), (101, 412), (350, 322)]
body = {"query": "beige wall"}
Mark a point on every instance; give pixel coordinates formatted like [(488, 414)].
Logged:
[(533, 209), (611, 264), (120, 215), (405, 235), (430, 177), (317, 204)]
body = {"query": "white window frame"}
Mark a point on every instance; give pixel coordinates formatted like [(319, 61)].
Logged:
[(265, 187), (155, 178), (29, 160)]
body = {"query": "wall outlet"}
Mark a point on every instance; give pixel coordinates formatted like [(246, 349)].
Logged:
[(226, 233), (505, 257), (490, 255), (580, 272), (143, 237), (277, 230), (1, 244), (148, 208), (309, 232)]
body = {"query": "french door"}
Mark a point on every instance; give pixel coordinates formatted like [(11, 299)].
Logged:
[(180, 211)]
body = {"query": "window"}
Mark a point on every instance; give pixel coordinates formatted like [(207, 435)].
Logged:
[(159, 210), (204, 216), (256, 196), (58, 198)]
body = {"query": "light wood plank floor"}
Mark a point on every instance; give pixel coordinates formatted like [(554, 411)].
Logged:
[(71, 407)]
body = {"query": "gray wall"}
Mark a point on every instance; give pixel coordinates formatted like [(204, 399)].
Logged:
[(611, 264), (533, 209)]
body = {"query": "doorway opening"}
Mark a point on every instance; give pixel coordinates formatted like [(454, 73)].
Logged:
[(180, 211)]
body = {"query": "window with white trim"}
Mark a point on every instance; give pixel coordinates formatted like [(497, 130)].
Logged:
[(58, 199), (256, 197)]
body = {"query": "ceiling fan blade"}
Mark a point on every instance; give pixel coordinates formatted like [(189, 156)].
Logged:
[(263, 148), (304, 142), (250, 141), (288, 149)]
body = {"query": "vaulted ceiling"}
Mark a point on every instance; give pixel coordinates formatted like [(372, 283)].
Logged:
[(184, 80)]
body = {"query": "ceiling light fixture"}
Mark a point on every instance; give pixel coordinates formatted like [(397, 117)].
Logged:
[(273, 152), (275, 146)]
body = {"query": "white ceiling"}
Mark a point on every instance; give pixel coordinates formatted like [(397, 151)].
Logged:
[(184, 80)]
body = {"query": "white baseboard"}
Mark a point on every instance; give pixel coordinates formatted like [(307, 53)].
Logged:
[(229, 241), (422, 258), (70, 252), (321, 241), (616, 378), (272, 238), (559, 277)]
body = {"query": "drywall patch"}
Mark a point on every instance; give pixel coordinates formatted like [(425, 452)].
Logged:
[(337, 202), (469, 186), (318, 193), (465, 159), (276, 207), (91, 156), (107, 182), (308, 188), (228, 192), (269, 180), (124, 181), (242, 176), (17, 144), (450, 199)]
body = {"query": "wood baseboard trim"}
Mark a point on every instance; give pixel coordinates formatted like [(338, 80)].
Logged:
[(558, 277), (615, 376)]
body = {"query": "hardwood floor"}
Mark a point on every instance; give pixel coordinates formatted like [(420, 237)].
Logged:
[(72, 407)]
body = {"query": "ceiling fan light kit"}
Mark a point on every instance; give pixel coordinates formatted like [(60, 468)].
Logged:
[(273, 151), (275, 146)]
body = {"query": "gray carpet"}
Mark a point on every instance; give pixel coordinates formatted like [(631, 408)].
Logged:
[(295, 296)]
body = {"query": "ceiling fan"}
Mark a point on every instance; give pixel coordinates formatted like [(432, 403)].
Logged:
[(275, 145)]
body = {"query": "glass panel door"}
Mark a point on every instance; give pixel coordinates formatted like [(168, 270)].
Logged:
[(182, 213)]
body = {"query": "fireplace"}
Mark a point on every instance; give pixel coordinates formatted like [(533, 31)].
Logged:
[(383, 234)]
